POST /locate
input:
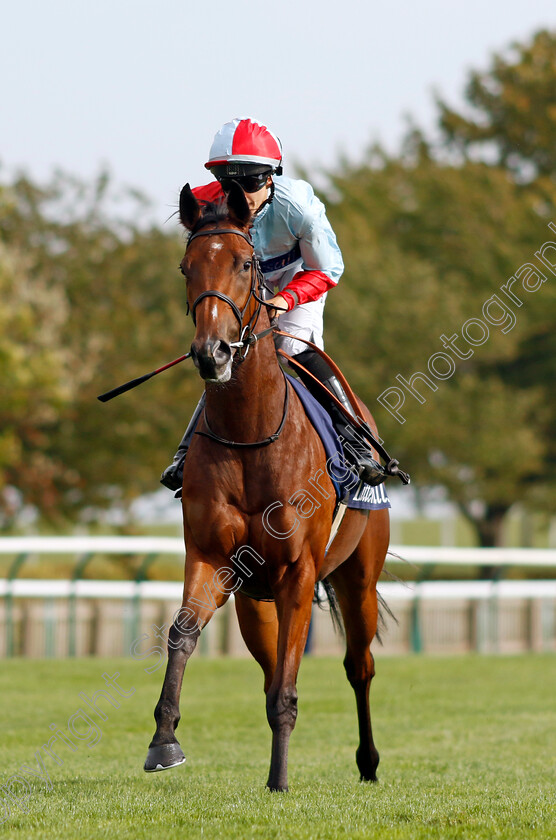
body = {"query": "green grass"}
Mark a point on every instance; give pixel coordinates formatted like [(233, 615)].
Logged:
[(468, 750)]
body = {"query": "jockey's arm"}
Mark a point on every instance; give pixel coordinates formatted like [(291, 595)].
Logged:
[(322, 259)]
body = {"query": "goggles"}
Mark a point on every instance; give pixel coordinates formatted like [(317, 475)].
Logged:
[(248, 183)]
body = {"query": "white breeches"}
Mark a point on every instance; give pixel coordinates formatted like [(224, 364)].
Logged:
[(304, 320)]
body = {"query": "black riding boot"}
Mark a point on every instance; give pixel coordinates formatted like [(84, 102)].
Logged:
[(356, 447), (172, 477)]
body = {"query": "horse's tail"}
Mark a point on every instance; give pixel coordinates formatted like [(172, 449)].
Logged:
[(336, 615), (333, 605), (382, 623), (383, 608)]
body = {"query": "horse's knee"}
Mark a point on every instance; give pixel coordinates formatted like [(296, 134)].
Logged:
[(180, 639), (281, 708)]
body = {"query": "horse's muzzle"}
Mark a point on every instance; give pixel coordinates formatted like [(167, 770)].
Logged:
[(213, 359)]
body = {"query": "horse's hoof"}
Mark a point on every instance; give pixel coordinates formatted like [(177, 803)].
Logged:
[(163, 757)]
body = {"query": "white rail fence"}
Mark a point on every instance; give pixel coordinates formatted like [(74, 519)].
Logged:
[(77, 616)]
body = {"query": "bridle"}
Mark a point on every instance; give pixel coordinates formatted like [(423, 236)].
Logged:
[(246, 335)]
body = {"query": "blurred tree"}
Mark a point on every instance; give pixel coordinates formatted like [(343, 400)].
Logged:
[(426, 245), (32, 364), (106, 303), (513, 123), (513, 110)]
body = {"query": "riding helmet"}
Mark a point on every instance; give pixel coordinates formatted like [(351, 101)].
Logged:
[(244, 146)]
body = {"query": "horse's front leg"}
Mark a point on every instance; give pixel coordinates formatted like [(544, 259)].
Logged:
[(201, 597), (293, 602)]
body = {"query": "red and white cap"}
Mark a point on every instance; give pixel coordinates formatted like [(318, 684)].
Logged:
[(245, 141)]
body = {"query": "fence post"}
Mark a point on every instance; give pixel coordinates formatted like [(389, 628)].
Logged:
[(548, 623), (133, 624), (13, 572), (493, 609), (49, 627), (416, 635), (77, 573)]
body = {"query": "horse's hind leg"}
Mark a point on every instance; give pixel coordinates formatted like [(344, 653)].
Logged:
[(258, 623), (200, 600), (355, 586)]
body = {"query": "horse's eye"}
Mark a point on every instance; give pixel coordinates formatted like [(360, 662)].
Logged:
[(247, 265), (181, 269)]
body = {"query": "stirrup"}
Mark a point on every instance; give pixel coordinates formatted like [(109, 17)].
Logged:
[(372, 473), (172, 477)]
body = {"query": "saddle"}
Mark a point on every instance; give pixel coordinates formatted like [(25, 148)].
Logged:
[(350, 490)]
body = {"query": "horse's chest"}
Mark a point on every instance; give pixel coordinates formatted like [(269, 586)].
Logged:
[(257, 502)]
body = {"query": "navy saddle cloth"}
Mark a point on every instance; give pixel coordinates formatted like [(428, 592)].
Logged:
[(349, 488)]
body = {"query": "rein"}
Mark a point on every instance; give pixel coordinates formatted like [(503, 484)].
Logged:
[(270, 439)]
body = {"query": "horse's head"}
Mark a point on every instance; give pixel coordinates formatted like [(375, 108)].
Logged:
[(221, 278)]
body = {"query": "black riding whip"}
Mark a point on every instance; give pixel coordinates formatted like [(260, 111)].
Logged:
[(133, 383)]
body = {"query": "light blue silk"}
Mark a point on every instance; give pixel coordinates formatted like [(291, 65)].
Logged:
[(296, 216)]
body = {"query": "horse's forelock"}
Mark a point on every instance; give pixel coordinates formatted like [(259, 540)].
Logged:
[(211, 213)]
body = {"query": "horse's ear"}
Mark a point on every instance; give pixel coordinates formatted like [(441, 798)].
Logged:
[(238, 209), (190, 209)]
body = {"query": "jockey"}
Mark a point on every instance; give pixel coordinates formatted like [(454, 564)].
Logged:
[(300, 260)]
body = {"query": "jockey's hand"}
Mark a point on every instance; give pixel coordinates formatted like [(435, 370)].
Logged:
[(278, 304)]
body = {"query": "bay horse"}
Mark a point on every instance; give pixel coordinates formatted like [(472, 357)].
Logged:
[(249, 526)]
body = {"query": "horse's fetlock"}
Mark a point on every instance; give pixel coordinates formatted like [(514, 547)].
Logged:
[(166, 712)]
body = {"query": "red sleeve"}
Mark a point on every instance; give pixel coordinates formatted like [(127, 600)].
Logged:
[(305, 287), (212, 192)]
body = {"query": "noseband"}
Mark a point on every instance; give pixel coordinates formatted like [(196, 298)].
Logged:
[(246, 336)]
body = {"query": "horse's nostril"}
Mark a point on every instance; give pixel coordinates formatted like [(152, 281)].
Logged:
[(194, 355), (221, 352), (210, 357)]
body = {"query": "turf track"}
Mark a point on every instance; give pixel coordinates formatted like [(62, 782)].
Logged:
[(468, 750)]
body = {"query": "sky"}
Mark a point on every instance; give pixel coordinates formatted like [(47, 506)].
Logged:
[(140, 88)]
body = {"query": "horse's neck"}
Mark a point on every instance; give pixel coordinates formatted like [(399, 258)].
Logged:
[(250, 406)]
